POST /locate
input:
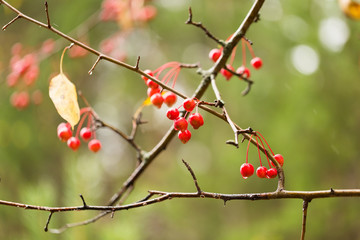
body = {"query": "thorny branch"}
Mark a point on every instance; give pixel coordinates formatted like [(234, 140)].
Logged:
[(148, 157)]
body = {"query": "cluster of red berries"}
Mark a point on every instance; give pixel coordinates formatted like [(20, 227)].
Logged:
[(158, 97), (24, 71), (247, 169), (181, 124), (256, 62), (65, 133)]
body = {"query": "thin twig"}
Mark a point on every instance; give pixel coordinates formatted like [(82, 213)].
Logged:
[(47, 15), (305, 208), (193, 176), (199, 25), (12, 21), (137, 63), (48, 222), (96, 62), (83, 200), (248, 81)]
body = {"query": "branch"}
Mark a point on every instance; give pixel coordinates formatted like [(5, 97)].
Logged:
[(307, 195)]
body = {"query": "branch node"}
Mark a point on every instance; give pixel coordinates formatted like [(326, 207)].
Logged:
[(332, 191)]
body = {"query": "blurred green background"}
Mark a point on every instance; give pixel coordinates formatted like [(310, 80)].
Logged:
[(305, 101)]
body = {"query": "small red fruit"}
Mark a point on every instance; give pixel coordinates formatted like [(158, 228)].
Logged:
[(157, 100), (85, 133), (279, 158), (226, 73), (64, 131), (94, 145), (189, 104), (152, 91), (244, 71), (172, 113), (246, 170), (73, 143), (180, 124), (196, 120), (152, 84), (148, 72), (20, 100), (214, 54), (184, 136), (261, 172), (169, 98), (271, 173), (256, 62)]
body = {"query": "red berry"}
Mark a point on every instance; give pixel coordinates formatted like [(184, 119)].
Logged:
[(261, 172), (256, 62), (196, 120), (20, 100), (31, 75), (246, 170), (169, 98), (148, 72), (94, 145), (172, 113), (85, 133), (226, 73), (244, 71), (73, 143), (184, 136), (152, 84), (214, 54), (271, 173), (152, 91), (279, 158), (180, 124), (157, 100), (189, 104), (12, 79), (64, 131), (64, 125)]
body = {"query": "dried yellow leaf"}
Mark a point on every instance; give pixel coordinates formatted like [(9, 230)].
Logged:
[(63, 94)]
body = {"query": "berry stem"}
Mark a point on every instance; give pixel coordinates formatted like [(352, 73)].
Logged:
[(233, 53), (257, 143), (266, 154), (266, 142), (247, 150), (175, 77), (250, 49), (243, 52), (81, 123)]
